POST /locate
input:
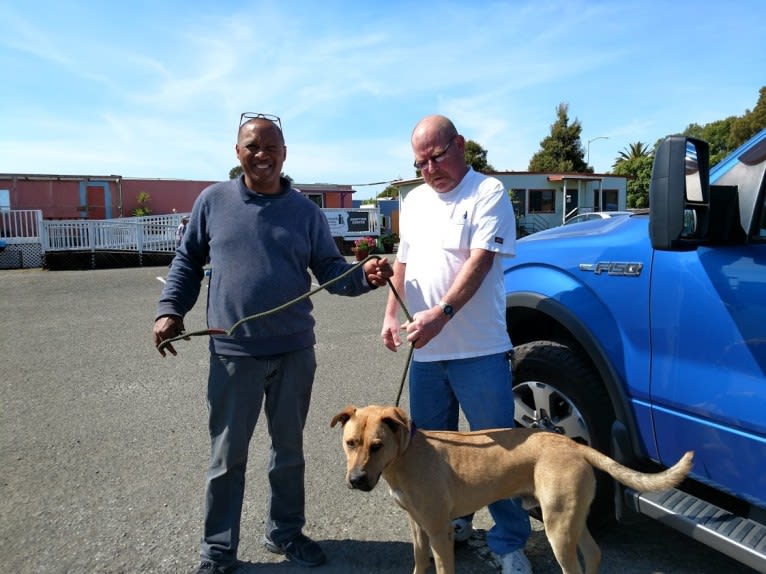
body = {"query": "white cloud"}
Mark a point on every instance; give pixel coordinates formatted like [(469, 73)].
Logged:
[(157, 91)]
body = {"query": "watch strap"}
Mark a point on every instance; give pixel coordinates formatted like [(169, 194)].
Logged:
[(447, 309)]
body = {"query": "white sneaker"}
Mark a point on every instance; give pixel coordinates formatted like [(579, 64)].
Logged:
[(515, 563), (462, 529)]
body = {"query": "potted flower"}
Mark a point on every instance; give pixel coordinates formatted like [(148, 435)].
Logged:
[(362, 247), (388, 241)]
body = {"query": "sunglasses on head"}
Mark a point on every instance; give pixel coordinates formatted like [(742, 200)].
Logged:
[(247, 116)]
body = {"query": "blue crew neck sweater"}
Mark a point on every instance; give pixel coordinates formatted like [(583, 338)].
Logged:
[(261, 248)]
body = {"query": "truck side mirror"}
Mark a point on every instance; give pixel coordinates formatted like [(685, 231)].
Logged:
[(679, 194)]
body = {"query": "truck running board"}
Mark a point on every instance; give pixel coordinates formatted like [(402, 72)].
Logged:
[(737, 537)]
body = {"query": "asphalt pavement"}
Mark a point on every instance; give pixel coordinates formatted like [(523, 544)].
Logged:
[(103, 444)]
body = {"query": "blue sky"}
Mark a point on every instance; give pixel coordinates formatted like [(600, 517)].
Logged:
[(155, 88)]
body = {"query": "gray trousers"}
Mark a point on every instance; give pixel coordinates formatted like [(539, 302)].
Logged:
[(237, 387)]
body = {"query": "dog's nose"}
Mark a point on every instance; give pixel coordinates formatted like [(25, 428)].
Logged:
[(358, 479)]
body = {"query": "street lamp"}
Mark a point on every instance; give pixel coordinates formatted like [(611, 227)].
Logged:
[(587, 157)]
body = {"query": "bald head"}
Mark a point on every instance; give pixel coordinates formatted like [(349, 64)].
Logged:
[(434, 127), (439, 153)]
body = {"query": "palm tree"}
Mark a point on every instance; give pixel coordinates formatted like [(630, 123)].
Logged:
[(633, 151), (635, 161)]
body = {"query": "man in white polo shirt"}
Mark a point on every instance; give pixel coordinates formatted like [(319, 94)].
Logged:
[(455, 230)]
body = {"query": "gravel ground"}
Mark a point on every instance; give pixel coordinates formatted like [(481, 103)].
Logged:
[(103, 444)]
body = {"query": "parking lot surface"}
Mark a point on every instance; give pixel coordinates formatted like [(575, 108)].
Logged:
[(103, 444)]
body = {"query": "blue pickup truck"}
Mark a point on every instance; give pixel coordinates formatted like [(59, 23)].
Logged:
[(645, 336)]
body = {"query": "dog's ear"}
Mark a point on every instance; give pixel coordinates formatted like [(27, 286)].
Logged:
[(399, 423), (343, 416), (396, 416)]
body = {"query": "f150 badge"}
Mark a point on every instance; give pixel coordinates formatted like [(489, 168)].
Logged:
[(618, 268)]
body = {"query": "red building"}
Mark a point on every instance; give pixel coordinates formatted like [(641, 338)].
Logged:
[(113, 196)]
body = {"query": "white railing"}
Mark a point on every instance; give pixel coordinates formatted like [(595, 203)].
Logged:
[(20, 225), (149, 233)]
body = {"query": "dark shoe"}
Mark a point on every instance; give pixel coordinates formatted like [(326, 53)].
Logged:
[(208, 567), (462, 530), (301, 550)]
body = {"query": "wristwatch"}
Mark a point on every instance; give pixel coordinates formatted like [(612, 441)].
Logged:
[(447, 309)]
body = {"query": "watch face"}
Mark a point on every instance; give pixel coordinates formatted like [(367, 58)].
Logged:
[(447, 310)]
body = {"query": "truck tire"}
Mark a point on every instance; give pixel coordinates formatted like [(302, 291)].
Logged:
[(557, 389)]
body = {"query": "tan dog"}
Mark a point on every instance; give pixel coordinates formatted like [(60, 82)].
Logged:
[(438, 476)]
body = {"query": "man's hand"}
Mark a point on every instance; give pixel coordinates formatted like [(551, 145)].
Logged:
[(166, 328), (425, 325), (390, 334), (377, 271)]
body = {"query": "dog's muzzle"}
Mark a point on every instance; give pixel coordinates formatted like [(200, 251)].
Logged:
[(360, 480)]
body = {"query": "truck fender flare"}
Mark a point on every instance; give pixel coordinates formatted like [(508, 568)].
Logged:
[(591, 346)]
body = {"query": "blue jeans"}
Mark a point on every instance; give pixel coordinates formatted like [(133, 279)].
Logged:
[(237, 387), (481, 386)]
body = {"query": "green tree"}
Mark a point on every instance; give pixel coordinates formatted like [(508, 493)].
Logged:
[(476, 157), (391, 192), (635, 162), (143, 208), (724, 136), (562, 150), (639, 172), (751, 123), (717, 134), (633, 151)]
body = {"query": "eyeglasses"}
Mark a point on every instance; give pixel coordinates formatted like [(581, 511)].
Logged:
[(438, 158), (247, 116)]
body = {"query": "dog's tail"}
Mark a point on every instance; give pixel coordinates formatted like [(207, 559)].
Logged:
[(641, 481)]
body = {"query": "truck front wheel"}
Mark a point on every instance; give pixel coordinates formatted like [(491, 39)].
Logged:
[(557, 389)]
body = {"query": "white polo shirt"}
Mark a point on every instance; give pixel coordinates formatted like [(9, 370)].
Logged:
[(437, 233)]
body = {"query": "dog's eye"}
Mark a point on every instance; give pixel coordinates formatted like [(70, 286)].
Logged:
[(351, 444), (374, 447)]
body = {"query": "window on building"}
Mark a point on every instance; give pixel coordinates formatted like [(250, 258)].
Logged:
[(5, 200), (519, 198), (609, 202), (317, 198), (542, 201)]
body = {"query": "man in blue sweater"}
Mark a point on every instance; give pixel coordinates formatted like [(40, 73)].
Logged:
[(261, 237)]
